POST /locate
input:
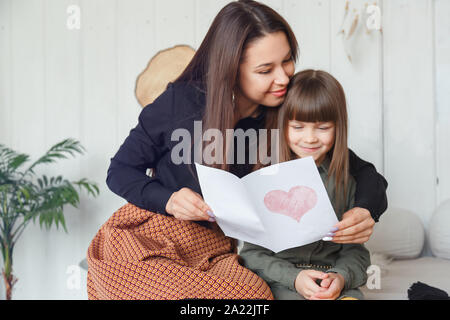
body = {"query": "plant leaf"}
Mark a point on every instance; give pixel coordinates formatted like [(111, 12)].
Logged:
[(59, 151)]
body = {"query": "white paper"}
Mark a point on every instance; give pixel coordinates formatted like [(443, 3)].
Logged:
[(279, 207)]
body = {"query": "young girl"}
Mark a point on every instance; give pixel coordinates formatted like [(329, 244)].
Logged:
[(313, 122)]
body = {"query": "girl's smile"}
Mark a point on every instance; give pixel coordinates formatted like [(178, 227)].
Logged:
[(310, 150)]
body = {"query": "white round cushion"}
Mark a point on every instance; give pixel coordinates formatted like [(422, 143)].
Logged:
[(439, 231), (399, 234)]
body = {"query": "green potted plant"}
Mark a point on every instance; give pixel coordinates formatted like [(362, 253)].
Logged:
[(24, 197)]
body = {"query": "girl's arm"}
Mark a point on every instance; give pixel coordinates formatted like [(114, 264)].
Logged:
[(141, 150), (371, 186), (272, 269), (353, 259), (352, 264)]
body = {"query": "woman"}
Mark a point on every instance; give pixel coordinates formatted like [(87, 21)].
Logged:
[(165, 244)]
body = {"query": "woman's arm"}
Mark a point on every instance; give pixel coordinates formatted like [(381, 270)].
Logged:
[(142, 150), (371, 186)]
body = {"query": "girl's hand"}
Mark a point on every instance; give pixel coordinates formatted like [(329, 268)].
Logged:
[(356, 226), (186, 204), (306, 285), (333, 286)]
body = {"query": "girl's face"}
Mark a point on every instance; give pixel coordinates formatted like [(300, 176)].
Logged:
[(265, 72), (311, 139)]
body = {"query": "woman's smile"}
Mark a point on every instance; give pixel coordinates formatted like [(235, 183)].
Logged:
[(279, 93)]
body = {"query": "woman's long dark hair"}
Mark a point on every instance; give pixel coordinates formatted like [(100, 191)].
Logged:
[(215, 66)]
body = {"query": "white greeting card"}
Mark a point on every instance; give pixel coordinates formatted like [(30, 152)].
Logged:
[(277, 207)]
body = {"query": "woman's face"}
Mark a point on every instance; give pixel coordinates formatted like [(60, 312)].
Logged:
[(311, 139), (265, 71)]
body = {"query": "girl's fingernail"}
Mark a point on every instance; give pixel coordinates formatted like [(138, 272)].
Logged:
[(334, 229), (327, 238), (210, 213), (212, 220), (331, 234)]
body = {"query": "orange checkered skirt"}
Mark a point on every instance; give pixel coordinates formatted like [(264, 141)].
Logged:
[(138, 254)]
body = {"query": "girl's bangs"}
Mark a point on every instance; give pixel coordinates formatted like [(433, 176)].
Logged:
[(313, 106)]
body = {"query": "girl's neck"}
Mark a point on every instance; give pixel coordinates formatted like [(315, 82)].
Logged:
[(318, 161)]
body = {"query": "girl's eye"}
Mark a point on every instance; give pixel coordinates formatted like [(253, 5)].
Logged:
[(264, 72), (324, 128), (298, 127), (287, 60)]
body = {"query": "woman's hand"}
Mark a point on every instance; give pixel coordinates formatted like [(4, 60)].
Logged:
[(186, 204), (356, 226), (306, 285), (333, 286)]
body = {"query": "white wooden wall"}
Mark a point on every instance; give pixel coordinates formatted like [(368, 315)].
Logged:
[(57, 83)]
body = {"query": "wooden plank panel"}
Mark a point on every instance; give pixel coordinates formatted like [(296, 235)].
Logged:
[(310, 22), (409, 106), (442, 60), (174, 27), (28, 96), (5, 84), (360, 77), (5, 73), (60, 112), (205, 12), (99, 113), (135, 47), (63, 92), (27, 81), (277, 5)]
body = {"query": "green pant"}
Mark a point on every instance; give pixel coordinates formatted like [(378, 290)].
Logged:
[(283, 293)]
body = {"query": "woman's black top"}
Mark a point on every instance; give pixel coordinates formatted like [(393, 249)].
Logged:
[(149, 146)]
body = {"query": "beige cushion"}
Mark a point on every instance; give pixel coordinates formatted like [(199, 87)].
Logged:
[(439, 231), (399, 234)]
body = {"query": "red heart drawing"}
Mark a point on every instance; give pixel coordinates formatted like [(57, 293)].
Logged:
[(294, 204)]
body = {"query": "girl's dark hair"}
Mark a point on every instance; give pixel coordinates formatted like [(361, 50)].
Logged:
[(215, 65), (316, 96)]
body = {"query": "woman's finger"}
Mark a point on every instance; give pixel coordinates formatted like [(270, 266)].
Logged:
[(185, 210), (197, 209), (193, 204), (352, 240), (353, 217), (180, 213), (363, 228), (197, 201)]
